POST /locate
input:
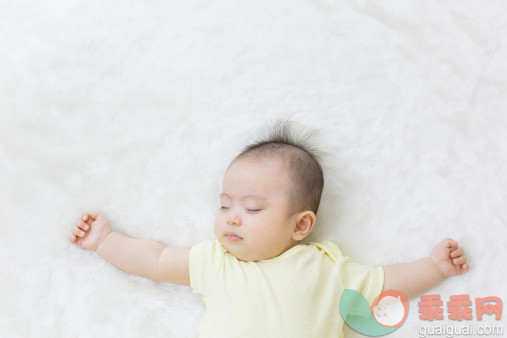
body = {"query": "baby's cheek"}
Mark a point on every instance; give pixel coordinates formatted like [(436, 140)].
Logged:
[(260, 235), (217, 228), (255, 233)]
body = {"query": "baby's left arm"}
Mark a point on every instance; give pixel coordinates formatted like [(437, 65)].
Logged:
[(412, 279)]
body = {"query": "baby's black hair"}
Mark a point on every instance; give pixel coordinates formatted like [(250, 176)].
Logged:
[(301, 160)]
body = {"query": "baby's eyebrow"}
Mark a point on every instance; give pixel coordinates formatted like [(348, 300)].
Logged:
[(244, 197)]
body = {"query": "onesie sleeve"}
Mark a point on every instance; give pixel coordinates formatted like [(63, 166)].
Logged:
[(205, 261), (364, 278)]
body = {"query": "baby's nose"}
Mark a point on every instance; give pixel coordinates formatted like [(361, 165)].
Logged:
[(236, 220)]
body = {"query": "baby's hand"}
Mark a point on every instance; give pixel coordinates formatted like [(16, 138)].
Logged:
[(90, 230), (449, 258)]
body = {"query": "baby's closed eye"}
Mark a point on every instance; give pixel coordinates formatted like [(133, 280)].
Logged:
[(249, 210)]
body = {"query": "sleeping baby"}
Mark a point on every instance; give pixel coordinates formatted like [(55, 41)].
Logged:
[(257, 278)]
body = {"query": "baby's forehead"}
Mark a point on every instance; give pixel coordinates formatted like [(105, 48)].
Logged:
[(248, 165), (256, 180), (257, 174)]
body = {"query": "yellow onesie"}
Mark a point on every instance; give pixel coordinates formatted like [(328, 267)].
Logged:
[(296, 294)]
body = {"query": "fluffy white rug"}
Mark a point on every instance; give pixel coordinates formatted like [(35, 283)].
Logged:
[(135, 109)]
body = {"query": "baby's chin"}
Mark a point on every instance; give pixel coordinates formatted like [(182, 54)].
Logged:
[(250, 258), (239, 251)]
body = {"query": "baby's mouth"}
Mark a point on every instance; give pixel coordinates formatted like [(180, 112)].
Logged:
[(232, 237)]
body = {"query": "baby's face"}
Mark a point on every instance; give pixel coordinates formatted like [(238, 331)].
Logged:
[(265, 233)]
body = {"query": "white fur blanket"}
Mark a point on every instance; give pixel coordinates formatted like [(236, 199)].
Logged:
[(135, 109)]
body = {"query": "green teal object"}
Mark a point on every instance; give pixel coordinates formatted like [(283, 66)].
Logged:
[(357, 314)]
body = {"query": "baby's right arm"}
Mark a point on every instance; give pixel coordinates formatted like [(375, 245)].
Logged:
[(139, 257)]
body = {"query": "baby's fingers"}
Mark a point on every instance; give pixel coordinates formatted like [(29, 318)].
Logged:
[(87, 218), (456, 253), (464, 268), (91, 216), (82, 225), (460, 260), (78, 232)]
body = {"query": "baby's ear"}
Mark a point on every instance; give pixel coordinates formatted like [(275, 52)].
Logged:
[(306, 221)]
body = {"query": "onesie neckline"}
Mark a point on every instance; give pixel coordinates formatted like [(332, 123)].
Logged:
[(292, 251)]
